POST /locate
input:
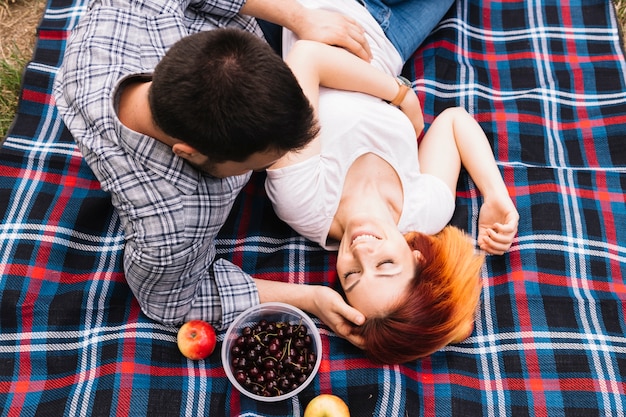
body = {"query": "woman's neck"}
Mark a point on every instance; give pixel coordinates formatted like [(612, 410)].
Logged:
[(372, 187)]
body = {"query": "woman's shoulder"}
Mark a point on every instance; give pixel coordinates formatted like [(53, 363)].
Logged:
[(428, 205), (303, 196)]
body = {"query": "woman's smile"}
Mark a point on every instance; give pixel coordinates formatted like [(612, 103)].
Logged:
[(364, 237)]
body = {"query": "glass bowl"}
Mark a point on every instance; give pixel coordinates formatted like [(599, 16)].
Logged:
[(293, 322)]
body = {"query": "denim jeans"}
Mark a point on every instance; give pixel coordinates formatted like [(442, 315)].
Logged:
[(407, 22)]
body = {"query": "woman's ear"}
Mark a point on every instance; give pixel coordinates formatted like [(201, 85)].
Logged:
[(184, 150), (419, 258)]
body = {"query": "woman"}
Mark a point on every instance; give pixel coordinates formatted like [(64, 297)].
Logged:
[(361, 187)]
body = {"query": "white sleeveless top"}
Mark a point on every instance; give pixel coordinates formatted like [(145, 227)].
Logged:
[(306, 195)]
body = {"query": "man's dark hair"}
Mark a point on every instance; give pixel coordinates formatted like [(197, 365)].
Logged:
[(228, 94)]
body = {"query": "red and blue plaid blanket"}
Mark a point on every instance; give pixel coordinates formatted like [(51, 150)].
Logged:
[(547, 82)]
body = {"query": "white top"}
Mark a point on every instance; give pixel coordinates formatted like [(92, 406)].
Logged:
[(306, 195)]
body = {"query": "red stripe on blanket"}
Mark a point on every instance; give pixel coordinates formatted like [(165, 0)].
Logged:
[(53, 35), (37, 97)]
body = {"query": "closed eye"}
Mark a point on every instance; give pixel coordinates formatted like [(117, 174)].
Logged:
[(386, 261), (355, 280), (347, 274)]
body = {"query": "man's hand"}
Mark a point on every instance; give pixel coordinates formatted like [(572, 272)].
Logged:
[(333, 29), (319, 300), (312, 24), (330, 307)]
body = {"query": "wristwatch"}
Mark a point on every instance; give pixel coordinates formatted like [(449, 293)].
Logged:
[(404, 87)]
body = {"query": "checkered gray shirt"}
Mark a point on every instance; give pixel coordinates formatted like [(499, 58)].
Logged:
[(170, 212)]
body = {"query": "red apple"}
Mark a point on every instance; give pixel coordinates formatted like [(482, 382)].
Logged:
[(196, 339), (327, 405)]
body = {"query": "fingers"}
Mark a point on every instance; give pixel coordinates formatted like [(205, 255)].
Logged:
[(356, 42), (350, 314), (352, 37), (497, 238), (494, 248), (355, 317), (357, 341), (361, 47), (497, 243), (508, 229), (345, 330), (358, 49), (335, 29), (348, 318)]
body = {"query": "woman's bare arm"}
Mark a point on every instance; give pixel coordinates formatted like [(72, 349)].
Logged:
[(316, 64), (456, 138)]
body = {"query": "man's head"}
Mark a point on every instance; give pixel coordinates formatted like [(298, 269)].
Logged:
[(228, 95)]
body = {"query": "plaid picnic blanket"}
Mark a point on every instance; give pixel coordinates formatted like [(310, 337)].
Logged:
[(546, 80)]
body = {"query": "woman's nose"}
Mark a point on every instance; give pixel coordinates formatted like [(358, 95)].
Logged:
[(364, 249)]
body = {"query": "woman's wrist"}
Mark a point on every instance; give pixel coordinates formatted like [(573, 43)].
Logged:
[(495, 192), (404, 86)]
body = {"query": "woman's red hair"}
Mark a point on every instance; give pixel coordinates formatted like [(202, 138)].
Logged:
[(443, 293)]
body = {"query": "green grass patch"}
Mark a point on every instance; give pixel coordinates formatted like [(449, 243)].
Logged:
[(10, 82)]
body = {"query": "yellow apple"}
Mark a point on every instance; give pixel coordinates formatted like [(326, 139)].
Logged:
[(327, 405)]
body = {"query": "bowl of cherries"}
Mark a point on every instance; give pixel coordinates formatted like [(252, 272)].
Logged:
[(271, 351)]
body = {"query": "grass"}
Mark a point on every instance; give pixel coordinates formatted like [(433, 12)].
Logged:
[(620, 8), (10, 81), (18, 22), (12, 66)]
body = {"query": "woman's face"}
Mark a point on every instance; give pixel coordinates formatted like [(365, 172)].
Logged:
[(375, 265)]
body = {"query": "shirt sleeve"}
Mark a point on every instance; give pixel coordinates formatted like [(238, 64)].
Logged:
[(429, 208), (222, 8), (170, 256), (181, 284), (221, 13)]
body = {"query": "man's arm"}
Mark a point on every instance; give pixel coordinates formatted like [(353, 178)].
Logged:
[(319, 300), (313, 24), (454, 139)]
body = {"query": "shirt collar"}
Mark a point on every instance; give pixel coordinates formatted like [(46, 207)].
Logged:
[(153, 154), (158, 157)]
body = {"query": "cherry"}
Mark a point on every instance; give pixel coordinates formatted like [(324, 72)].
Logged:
[(273, 357)]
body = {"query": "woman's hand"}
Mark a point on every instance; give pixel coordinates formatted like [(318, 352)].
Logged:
[(497, 225), (456, 138), (330, 307)]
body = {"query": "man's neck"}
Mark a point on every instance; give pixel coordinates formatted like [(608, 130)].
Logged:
[(134, 111)]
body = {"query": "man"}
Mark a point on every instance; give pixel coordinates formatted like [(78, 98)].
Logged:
[(173, 137)]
